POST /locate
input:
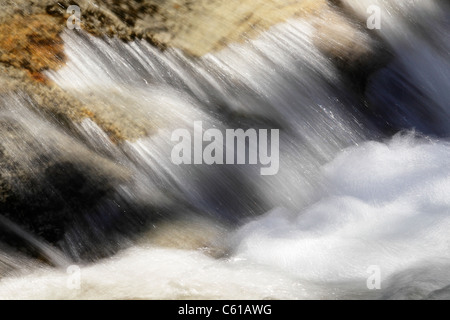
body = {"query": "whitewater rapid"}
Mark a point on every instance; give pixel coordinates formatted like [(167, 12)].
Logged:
[(348, 198), (386, 205)]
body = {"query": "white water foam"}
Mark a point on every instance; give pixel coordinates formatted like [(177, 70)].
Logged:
[(387, 205)]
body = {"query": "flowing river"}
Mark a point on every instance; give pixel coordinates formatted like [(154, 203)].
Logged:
[(358, 188)]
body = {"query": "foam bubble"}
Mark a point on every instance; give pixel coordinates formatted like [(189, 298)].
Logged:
[(386, 205)]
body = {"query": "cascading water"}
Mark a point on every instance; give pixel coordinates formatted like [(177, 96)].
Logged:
[(347, 197)]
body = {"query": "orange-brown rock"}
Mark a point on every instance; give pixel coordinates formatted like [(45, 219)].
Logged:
[(32, 43)]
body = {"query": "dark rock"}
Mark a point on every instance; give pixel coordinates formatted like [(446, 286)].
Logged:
[(47, 179)]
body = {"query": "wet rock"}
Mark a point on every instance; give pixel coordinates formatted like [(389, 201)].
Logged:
[(410, 91), (197, 233), (342, 40), (66, 110), (198, 27), (355, 50), (48, 179), (32, 43)]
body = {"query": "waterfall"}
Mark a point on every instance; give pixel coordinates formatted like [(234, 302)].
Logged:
[(348, 196)]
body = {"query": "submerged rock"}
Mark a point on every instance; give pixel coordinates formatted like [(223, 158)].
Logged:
[(47, 178), (354, 49)]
